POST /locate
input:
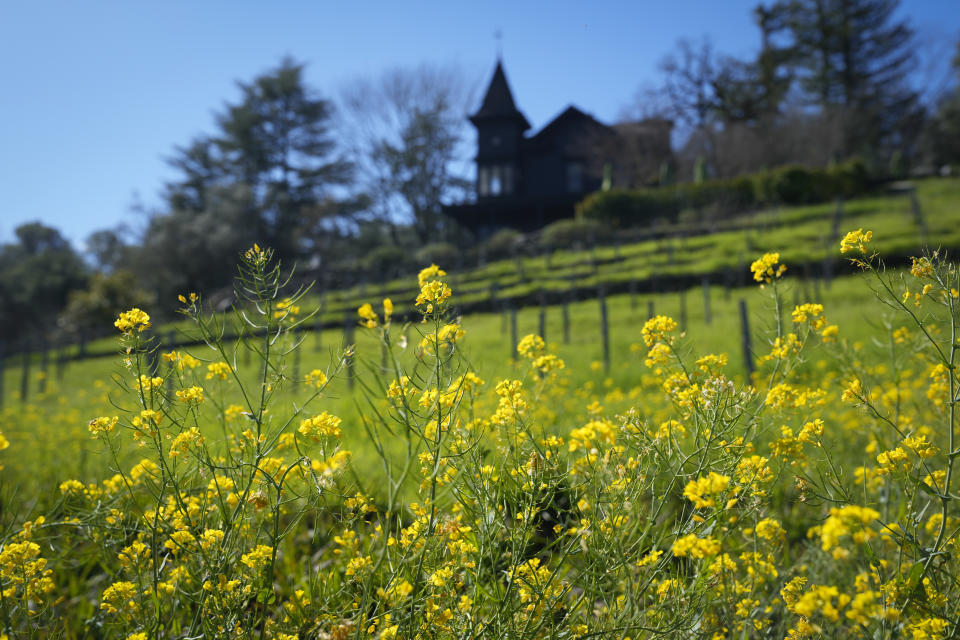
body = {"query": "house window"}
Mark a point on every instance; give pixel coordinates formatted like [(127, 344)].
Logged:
[(574, 177), (483, 181), (495, 180)]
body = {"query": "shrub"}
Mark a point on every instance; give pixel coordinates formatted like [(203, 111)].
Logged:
[(790, 184), (386, 261), (852, 178), (505, 243), (438, 253), (563, 234)]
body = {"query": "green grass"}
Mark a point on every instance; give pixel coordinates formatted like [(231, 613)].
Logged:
[(50, 429), (51, 439), (802, 235)]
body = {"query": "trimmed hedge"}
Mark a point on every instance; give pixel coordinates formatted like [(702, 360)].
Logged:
[(787, 185), (571, 232)]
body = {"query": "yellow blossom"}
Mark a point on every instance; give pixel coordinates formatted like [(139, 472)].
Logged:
[(316, 379), (132, 321), (656, 329), (767, 267), (691, 545), (368, 315), (218, 370), (855, 240), (323, 425), (258, 557), (699, 491), (191, 395), (102, 425)]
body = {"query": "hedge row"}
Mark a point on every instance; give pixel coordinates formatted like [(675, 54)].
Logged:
[(787, 185)]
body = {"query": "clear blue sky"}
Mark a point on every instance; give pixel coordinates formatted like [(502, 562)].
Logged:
[(96, 94)]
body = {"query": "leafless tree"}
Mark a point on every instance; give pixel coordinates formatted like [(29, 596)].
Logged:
[(406, 129)]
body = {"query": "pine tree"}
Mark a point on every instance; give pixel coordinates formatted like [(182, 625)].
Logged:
[(943, 129), (277, 141), (854, 56)]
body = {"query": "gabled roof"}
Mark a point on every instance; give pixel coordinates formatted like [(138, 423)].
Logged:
[(571, 113), (586, 124), (498, 102)]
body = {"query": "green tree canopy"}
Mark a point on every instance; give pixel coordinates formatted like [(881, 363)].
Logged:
[(37, 273)]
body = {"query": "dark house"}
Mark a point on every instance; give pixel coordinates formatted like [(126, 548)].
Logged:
[(525, 182)]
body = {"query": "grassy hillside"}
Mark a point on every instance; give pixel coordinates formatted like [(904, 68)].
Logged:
[(664, 492), (804, 236), (82, 389), (51, 428)]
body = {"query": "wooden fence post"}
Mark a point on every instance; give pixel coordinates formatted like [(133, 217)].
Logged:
[(25, 375), (44, 365), (604, 329), (543, 316), (745, 339), (837, 219), (297, 338), (318, 325), (918, 215), (171, 343), (3, 363), (650, 310), (348, 327), (513, 332), (683, 310), (153, 357), (565, 309), (61, 361), (707, 316)]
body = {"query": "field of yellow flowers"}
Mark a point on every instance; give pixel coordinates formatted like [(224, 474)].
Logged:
[(229, 492)]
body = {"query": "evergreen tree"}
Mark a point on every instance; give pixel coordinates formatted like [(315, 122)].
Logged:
[(275, 142), (943, 130), (37, 273), (753, 91), (855, 56), (201, 167)]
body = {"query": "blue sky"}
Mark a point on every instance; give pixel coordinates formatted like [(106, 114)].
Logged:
[(96, 94)]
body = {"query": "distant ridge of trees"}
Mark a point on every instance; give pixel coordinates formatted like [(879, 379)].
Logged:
[(832, 80)]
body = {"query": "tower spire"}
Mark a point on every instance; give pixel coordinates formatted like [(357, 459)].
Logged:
[(498, 102)]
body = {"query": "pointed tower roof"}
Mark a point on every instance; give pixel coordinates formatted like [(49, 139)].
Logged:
[(498, 102)]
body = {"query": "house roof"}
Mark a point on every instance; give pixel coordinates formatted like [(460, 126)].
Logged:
[(583, 123), (498, 102), (570, 114)]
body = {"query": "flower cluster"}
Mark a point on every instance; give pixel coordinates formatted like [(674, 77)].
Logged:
[(813, 499), (767, 268), (857, 239), (133, 321)]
